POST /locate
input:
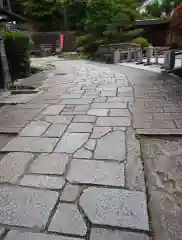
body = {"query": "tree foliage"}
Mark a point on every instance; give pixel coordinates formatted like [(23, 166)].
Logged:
[(159, 8)]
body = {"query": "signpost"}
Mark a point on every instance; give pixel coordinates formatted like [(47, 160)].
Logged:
[(61, 42)]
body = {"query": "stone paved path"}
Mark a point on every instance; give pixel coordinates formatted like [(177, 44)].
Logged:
[(74, 172)]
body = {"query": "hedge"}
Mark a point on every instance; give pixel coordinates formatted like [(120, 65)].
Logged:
[(142, 41), (18, 45)]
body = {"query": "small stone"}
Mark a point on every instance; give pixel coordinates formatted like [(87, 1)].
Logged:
[(55, 130), (68, 220), (108, 105), (108, 94), (42, 181), (70, 193), (111, 146), (81, 108), (98, 112), (83, 153), (99, 132), (113, 121), (119, 113), (71, 142), (53, 163), (53, 110), (15, 235), (34, 129), (90, 144), (115, 208), (26, 207), (96, 172), (107, 234), (82, 101), (13, 165), (30, 144), (84, 119), (80, 128)]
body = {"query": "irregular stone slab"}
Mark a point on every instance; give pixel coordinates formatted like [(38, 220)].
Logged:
[(163, 168), (111, 146), (70, 193), (42, 181), (98, 112), (119, 112), (83, 153), (96, 172), (108, 105), (68, 220), (71, 142), (84, 119), (15, 235), (70, 96), (115, 207), (98, 132), (13, 165), (34, 129), (53, 163), (53, 110), (108, 93), (90, 144), (100, 100), (106, 234), (82, 101), (31, 144), (80, 128), (113, 121), (134, 175), (55, 130), (55, 119), (26, 207)]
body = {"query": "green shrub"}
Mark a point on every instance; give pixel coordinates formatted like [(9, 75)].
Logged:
[(18, 45), (142, 41)]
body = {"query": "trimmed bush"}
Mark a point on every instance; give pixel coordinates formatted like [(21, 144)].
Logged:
[(18, 45), (142, 41)]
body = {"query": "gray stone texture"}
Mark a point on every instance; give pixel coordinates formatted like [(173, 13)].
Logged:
[(113, 121), (53, 110), (34, 129), (80, 128), (15, 235), (90, 144), (31, 144), (67, 219), (55, 119), (71, 142), (84, 119), (83, 153), (13, 165), (119, 113), (26, 207), (108, 105), (53, 163), (163, 167), (42, 181), (115, 207), (99, 132), (111, 146), (96, 172), (70, 193), (98, 112), (106, 234), (134, 168), (83, 101), (55, 130), (2, 230)]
